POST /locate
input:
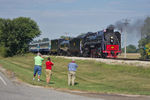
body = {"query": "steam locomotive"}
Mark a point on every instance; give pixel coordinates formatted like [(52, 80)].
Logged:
[(105, 44)]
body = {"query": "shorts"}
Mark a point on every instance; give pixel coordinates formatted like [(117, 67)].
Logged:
[(37, 69), (48, 73)]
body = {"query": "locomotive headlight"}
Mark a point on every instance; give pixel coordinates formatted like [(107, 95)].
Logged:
[(111, 37)]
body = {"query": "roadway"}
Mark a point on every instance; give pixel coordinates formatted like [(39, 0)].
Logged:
[(10, 90)]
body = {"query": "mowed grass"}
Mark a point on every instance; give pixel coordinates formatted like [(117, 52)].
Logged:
[(91, 76)]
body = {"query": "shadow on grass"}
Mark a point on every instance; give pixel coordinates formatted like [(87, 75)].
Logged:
[(51, 83), (36, 80), (76, 83), (42, 80)]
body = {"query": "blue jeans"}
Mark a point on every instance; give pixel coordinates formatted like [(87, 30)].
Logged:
[(37, 69)]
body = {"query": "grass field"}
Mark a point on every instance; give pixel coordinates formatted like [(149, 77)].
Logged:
[(91, 76)]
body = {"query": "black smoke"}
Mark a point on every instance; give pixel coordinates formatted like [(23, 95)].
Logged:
[(132, 28)]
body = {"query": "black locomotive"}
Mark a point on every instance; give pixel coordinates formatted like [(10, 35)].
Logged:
[(105, 43)]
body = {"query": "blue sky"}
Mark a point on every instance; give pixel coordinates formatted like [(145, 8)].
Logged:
[(57, 17)]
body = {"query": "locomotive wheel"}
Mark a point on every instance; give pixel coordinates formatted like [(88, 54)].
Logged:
[(104, 55), (68, 53)]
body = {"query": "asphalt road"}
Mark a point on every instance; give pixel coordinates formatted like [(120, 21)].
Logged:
[(18, 91), (12, 90)]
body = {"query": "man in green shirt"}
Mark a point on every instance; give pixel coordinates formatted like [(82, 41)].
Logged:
[(38, 65)]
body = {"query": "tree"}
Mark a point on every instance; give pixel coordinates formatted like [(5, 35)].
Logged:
[(45, 39), (142, 44), (5, 33), (16, 34), (65, 37), (146, 37), (130, 49)]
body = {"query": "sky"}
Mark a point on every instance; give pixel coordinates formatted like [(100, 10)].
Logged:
[(57, 18)]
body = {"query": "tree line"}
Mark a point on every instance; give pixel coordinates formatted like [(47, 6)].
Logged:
[(131, 49), (16, 34)]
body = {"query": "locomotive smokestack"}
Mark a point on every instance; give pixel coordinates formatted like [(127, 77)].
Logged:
[(110, 28)]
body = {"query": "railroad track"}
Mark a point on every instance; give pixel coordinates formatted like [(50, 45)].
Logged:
[(128, 59), (122, 61)]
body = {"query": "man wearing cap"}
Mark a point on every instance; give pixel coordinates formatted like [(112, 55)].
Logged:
[(38, 65), (72, 67)]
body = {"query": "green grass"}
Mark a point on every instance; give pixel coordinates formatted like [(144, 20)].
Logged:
[(91, 76)]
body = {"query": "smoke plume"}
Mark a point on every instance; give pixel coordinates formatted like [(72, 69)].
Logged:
[(132, 28)]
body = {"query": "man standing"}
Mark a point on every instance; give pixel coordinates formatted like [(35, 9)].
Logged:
[(38, 65), (72, 67)]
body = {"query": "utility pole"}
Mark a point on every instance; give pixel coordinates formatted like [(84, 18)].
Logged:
[(125, 37), (67, 35)]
